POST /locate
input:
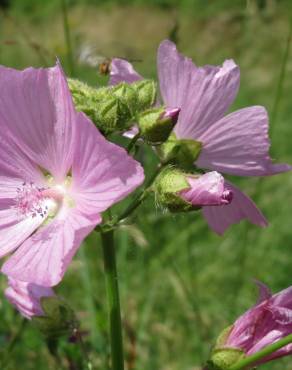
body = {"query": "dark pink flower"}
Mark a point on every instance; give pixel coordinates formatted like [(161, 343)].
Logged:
[(267, 322), (26, 297), (57, 175), (236, 144)]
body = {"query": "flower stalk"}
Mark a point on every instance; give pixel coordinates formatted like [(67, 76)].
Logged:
[(112, 289)]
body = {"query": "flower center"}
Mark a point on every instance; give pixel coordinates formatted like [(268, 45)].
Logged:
[(34, 201)]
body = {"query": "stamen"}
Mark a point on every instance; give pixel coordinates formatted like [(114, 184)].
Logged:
[(32, 201)]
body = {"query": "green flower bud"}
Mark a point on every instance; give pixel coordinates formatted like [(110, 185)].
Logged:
[(182, 152), (156, 124), (167, 186), (58, 319), (146, 94), (223, 357), (82, 93), (109, 108), (128, 96)]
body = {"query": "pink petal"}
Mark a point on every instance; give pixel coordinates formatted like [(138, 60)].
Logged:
[(242, 207), (38, 111), (264, 291), (26, 297), (103, 173), (122, 71), (44, 257), (13, 161), (283, 298), (15, 230), (272, 337), (239, 144), (203, 93), (207, 189)]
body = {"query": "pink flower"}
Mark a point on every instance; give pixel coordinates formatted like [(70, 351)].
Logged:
[(26, 297), (208, 189), (57, 175), (267, 322), (236, 144)]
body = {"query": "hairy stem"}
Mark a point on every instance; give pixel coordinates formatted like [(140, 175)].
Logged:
[(112, 289)]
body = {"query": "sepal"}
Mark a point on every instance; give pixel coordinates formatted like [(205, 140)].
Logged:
[(58, 320)]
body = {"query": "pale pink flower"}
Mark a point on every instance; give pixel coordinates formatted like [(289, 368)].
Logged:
[(267, 322), (208, 189), (57, 175), (236, 144), (25, 297)]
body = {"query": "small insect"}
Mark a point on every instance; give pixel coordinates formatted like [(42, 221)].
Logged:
[(89, 56)]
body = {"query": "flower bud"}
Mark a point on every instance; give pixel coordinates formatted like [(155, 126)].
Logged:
[(181, 152), (83, 93), (110, 108), (146, 94), (156, 124), (264, 324), (182, 192), (128, 95)]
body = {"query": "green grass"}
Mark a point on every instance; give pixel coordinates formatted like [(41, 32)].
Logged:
[(180, 283)]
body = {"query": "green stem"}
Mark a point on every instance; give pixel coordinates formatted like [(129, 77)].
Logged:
[(256, 357), (112, 289), (67, 36), (132, 142), (144, 193)]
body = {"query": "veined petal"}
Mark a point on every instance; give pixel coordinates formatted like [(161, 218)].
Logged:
[(44, 257), (238, 144), (208, 189), (203, 93), (37, 109), (283, 298), (122, 71), (271, 337), (242, 207), (26, 297), (103, 173), (14, 230)]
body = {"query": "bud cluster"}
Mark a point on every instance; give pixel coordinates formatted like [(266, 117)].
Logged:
[(114, 108)]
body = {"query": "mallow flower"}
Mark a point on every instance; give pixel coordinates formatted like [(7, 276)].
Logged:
[(26, 297), (57, 175), (266, 323), (236, 143)]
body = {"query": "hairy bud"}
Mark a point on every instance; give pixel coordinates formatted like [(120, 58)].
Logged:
[(156, 124), (146, 94)]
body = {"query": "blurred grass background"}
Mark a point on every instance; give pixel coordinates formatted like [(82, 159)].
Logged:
[(180, 283)]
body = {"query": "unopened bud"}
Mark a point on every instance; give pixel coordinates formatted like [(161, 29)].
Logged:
[(182, 152), (110, 108), (182, 192), (146, 94), (128, 96), (224, 358), (156, 124)]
